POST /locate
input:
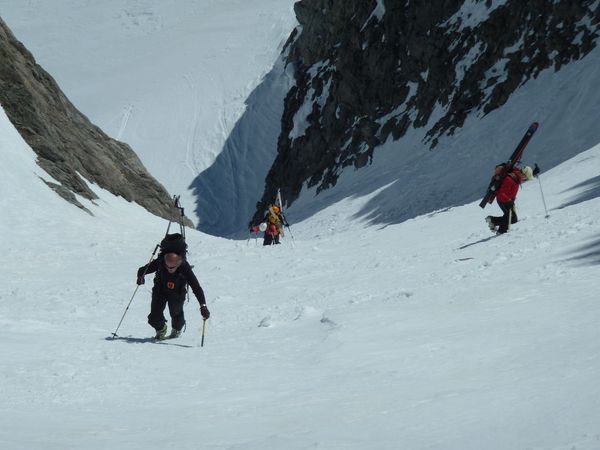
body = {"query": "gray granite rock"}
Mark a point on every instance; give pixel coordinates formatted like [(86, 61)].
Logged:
[(69, 147)]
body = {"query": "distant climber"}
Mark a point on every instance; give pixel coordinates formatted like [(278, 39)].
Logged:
[(274, 225)]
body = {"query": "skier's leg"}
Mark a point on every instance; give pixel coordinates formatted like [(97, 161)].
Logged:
[(176, 312), (494, 220), (503, 222), (156, 318), (491, 221)]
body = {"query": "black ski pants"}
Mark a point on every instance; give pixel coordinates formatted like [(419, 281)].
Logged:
[(156, 318), (508, 210), (270, 240)]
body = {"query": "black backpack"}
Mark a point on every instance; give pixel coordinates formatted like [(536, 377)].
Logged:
[(173, 243)]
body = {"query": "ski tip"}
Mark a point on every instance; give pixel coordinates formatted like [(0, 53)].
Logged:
[(534, 126)]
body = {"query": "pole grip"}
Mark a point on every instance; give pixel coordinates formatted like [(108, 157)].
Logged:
[(203, 328)]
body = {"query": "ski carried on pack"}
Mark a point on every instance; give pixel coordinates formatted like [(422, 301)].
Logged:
[(284, 221), (490, 194)]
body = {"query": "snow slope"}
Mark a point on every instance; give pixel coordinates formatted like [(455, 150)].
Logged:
[(196, 87), (168, 77), (413, 180), (429, 334)]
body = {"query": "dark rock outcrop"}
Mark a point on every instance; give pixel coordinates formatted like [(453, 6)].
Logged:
[(368, 70), (67, 144)]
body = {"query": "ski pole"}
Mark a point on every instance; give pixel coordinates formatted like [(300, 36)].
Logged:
[(287, 225), (114, 335), (290, 231), (542, 192), (293, 241), (543, 199), (203, 328), (250, 237)]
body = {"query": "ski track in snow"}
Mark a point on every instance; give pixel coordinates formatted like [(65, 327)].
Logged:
[(424, 334)]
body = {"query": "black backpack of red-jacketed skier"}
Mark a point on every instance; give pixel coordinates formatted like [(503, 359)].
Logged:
[(174, 243)]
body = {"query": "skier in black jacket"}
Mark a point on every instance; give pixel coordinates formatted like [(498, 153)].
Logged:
[(173, 274)]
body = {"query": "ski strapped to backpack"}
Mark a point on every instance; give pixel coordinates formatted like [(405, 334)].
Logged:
[(175, 242), (494, 185), (176, 205), (284, 221), (279, 203)]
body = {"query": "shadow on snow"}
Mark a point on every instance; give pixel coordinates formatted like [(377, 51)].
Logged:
[(151, 340), (587, 254), (589, 189)]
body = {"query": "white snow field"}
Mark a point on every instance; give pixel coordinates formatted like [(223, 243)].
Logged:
[(429, 334)]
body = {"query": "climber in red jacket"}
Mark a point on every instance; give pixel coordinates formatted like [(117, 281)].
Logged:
[(506, 196)]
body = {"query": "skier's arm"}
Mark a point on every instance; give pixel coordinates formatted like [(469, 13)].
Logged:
[(196, 289), (194, 284), (148, 268)]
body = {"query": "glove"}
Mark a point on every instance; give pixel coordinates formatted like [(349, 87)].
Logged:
[(140, 280), (204, 311), (509, 204), (536, 171)]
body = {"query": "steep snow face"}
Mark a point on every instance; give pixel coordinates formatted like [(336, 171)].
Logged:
[(170, 78), (415, 82), (21, 177), (431, 333), (226, 191)]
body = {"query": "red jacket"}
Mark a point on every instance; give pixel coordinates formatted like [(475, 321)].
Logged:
[(509, 188), (272, 230)]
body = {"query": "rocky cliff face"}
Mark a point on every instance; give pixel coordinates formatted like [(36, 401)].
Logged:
[(368, 70), (68, 146)]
